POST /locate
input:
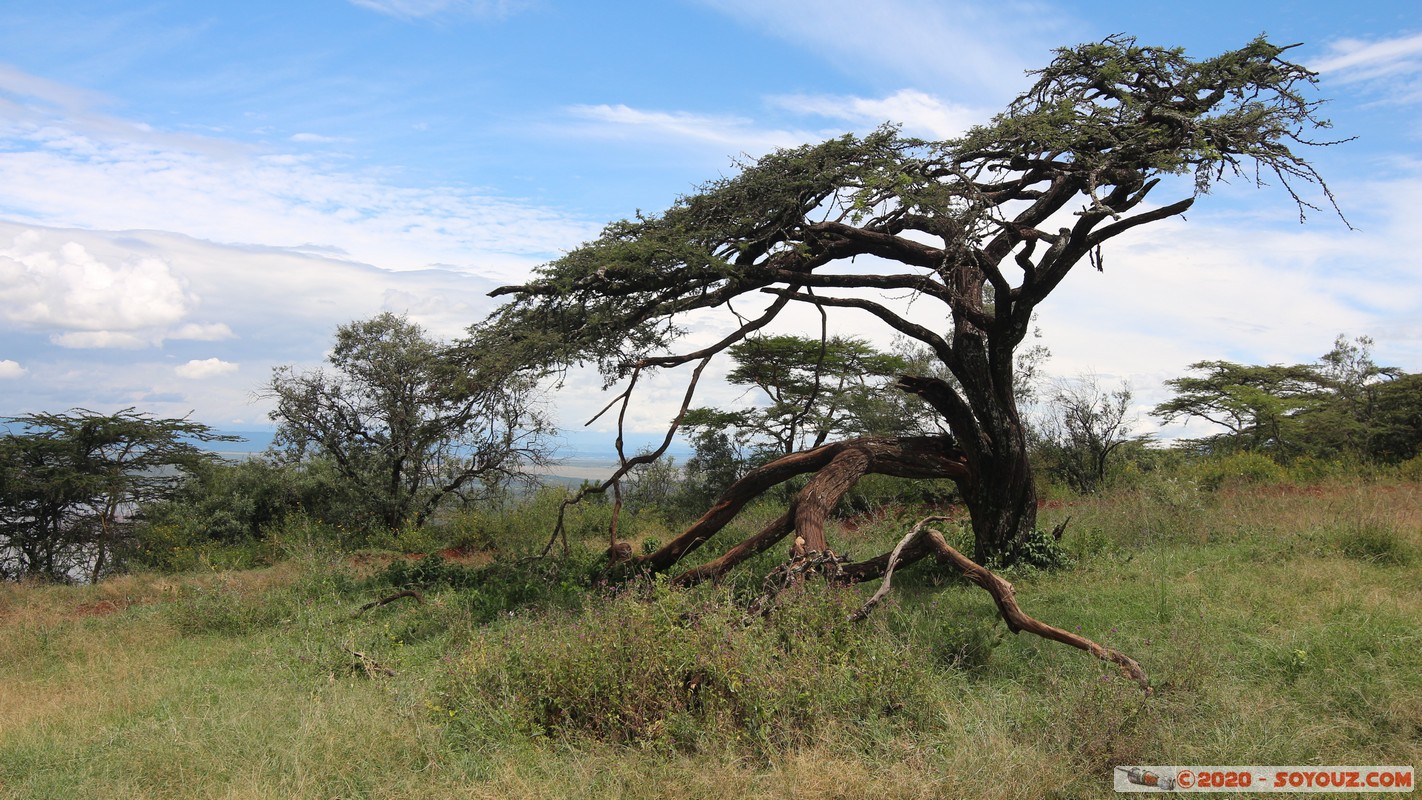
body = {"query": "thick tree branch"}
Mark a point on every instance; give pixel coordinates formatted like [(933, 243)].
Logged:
[(932, 542)]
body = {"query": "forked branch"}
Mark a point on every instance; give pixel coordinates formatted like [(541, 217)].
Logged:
[(922, 541)]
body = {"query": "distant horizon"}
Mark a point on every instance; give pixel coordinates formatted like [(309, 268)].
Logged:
[(586, 460)]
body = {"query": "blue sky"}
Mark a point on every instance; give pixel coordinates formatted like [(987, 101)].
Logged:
[(192, 193)]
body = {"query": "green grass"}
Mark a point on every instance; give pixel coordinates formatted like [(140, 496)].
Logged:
[(1279, 625)]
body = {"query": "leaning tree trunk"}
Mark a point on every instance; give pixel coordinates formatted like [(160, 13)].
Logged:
[(837, 468), (998, 489)]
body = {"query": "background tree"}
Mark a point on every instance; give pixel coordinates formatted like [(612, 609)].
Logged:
[(1343, 420), (1396, 431), (979, 229), (1344, 404), (1083, 426), (1257, 405), (72, 483), (812, 390), (226, 507), (409, 421)]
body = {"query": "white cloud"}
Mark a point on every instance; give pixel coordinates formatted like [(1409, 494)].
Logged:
[(17, 82), (97, 304), (206, 368), (257, 306), (313, 138), (919, 113), (989, 45), (734, 133), (9, 369), (1390, 66), (202, 332), (1387, 55), (101, 340), (68, 166)]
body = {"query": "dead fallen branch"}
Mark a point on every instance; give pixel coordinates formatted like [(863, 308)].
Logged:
[(922, 541), (369, 666), (392, 598)]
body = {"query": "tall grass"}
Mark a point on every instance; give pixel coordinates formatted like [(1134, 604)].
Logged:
[(1278, 623)]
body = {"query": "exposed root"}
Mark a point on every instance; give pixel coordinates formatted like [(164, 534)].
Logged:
[(814, 562), (369, 666), (837, 467)]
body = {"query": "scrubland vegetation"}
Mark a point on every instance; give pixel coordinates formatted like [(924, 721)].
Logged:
[(1277, 618), (375, 609)]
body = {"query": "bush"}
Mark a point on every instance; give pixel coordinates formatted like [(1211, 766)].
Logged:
[(223, 510), (1375, 543), (1411, 469), (1238, 468), (685, 669), (504, 586)]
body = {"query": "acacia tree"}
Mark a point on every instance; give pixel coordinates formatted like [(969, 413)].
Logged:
[(813, 389), (1257, 405), (72, 483), (977, 231), (1342, 404), (409, 422)]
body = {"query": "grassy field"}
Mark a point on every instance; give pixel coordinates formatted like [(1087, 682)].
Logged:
[(1279, 624)]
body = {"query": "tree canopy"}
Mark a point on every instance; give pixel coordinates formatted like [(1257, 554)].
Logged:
[(409, 420), (976, 230), (1344, 404), (71, 483)]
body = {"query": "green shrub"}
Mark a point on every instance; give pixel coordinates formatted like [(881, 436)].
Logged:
[(1375, 543), (493, 590), (966, 644), (1238, 468), (1411, 469), (1040, 550), (686, 669)]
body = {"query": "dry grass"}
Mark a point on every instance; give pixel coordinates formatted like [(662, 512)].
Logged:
[(1279, 625)]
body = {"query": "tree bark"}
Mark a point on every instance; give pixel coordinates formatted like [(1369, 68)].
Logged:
[(924, 541), (839, 467)]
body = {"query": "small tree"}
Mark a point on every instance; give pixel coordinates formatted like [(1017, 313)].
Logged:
[(72, 483), (409, 422), (1083, 426), (811, 390)]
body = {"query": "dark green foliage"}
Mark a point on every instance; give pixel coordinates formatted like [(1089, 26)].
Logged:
[(72, 483), (239, 505), (503, 587), (1343, 406), (409, 423), (1115, 105), (1041, 550), (1256, 404), (1394, 433)]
